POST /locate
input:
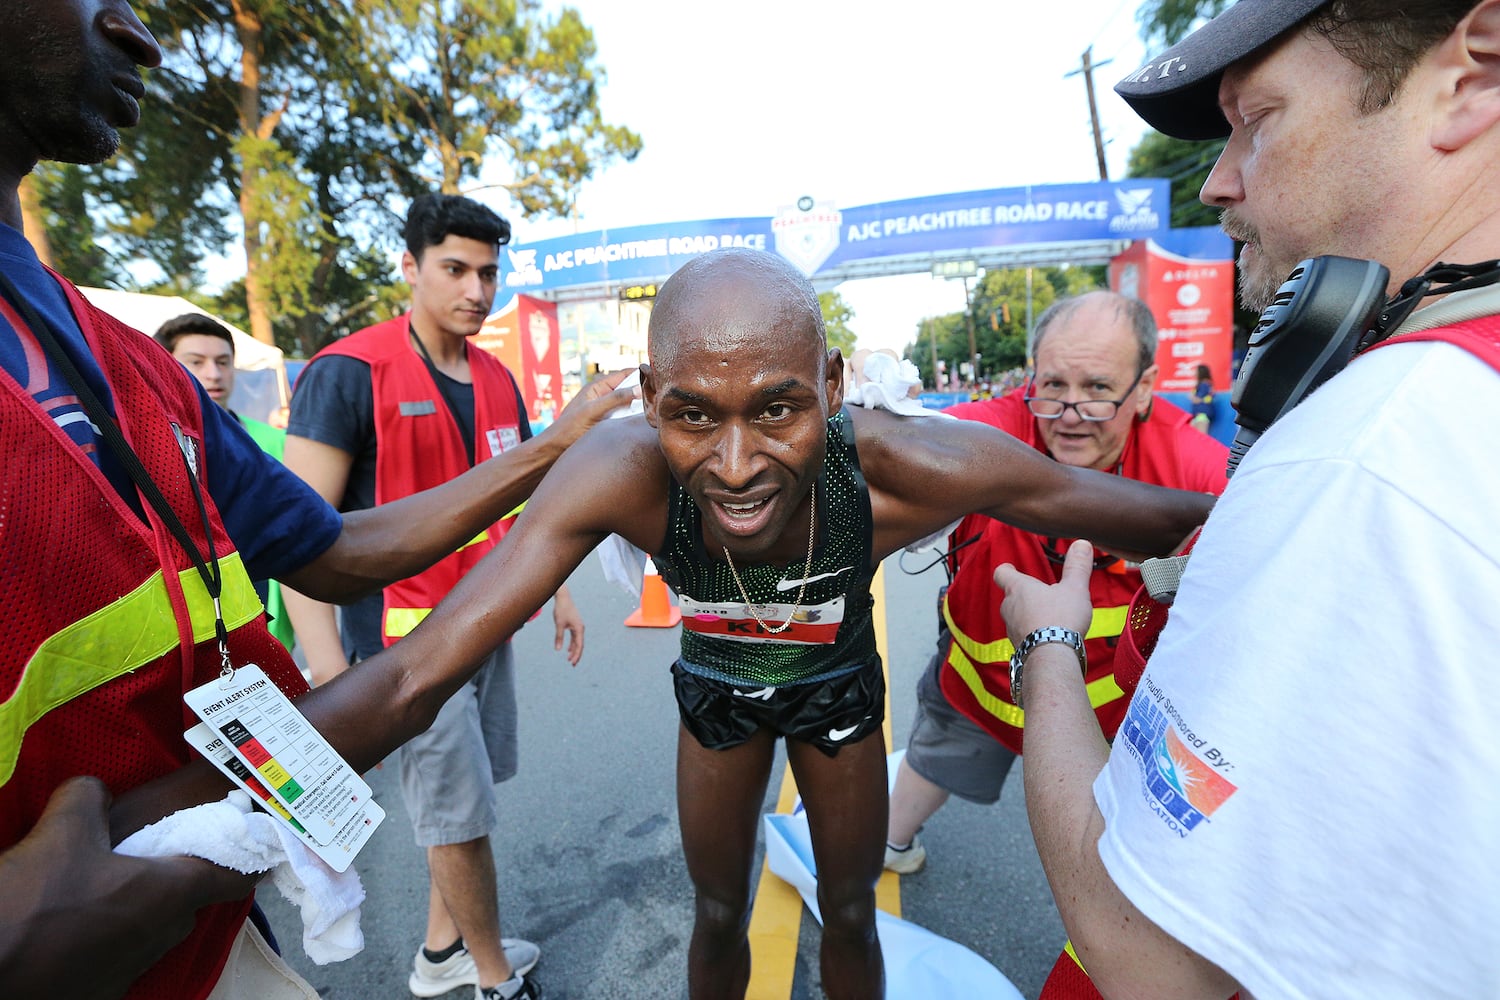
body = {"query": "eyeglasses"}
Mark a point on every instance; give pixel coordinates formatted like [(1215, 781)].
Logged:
[(1093, 410)]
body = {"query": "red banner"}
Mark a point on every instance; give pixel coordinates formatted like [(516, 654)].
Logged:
[(1193, 302), (523, 335)]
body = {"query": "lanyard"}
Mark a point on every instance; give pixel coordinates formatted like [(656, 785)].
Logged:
[(109, 430), (437, 380)]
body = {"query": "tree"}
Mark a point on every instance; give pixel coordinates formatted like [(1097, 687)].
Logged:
[(462, 77), (940, 340), (307, 122), (999, 307), (836, 317), (1186, 164), (59, 191), (1167, 22)]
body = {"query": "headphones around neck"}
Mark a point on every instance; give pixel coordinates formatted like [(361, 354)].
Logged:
[(1327, 311)]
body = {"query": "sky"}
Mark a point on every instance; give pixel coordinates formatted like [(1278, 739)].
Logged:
[(744, 108)]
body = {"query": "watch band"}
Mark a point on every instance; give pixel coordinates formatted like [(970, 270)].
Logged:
[(1041, 637)]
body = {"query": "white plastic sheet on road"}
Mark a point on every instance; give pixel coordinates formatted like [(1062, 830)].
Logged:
[(918, 963)]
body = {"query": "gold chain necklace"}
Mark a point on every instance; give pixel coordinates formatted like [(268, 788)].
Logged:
[(812, 533)]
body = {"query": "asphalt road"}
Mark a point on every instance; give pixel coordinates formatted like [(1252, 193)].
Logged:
[(588, 850)]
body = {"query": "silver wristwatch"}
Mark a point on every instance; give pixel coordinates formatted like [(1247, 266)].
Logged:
[(1041, 637)]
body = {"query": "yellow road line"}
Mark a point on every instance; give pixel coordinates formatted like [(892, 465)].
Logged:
[(776, 922)]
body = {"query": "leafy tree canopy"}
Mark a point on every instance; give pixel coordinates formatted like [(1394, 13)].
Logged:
[(1002, 311), (836, 317), (293, 135)]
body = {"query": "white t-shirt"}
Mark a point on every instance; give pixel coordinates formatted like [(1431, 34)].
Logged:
[(1306, 790)]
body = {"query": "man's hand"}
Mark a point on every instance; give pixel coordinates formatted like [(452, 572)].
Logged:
[(1031, 604), (81, 921), (569, 624), (594, 402)]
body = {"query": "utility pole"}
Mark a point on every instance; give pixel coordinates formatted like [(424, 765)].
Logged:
[(932, 342), (1088, 81), (973, 348)]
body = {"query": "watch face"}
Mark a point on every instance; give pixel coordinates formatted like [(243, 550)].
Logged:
[(1040, 637)]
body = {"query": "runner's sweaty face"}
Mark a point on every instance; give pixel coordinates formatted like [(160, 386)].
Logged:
[(739, 389)]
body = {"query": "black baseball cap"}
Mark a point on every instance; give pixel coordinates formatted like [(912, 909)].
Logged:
[(1178, 91)]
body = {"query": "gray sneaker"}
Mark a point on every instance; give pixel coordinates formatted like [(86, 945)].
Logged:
[(906, 860), (433, 979)]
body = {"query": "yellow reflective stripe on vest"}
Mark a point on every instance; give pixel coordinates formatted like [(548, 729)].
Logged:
[(1102, 690), (400, 621), (118, 638), (481, 537), (1106, 623)]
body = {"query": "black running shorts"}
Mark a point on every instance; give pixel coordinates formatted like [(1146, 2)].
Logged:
[(828, 714)]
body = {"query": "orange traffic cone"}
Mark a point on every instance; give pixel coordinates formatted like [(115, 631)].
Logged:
[(657, 609)]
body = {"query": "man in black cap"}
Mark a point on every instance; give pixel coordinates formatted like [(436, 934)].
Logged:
[(1300, 800)]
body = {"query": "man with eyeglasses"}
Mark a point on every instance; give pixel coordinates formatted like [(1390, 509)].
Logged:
[(1088, 404)]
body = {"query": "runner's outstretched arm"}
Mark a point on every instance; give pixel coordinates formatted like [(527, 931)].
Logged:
[(924, 474), (395, 540), (380, 703)]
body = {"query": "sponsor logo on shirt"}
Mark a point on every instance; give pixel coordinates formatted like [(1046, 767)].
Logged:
[(1182, 776)]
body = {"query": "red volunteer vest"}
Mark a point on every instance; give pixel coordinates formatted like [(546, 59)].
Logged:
[(1480, 337), (412, 419), (106, 621), (975, 676)]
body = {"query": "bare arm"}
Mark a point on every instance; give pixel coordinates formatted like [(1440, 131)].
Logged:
[(567, 622), (376, 705), (395, 540), (326, 469), (1126, 955), (925, 474)]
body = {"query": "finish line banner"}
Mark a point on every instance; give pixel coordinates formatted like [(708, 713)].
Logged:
[(818, 236)]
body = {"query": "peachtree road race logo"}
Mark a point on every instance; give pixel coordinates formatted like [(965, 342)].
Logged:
[(523, 269), (807, 234), (1136, 214)]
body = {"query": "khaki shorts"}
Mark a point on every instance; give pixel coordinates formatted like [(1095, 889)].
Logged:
[(950, 750), (255, 972), (449, 773)]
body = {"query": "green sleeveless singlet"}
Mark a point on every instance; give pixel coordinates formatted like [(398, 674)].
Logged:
[(831, 634)]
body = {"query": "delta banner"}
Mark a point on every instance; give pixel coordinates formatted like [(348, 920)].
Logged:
[(1186, 279), (820, 238), (523, 335)]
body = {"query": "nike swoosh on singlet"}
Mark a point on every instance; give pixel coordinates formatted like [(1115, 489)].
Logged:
[(793, 584)]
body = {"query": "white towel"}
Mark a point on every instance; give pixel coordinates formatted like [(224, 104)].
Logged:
[(884, 384), (231, 834)]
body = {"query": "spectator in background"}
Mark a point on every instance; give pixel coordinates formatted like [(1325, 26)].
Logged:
[(206, 349), (1090, 405), (384, 413), (1203, 399)]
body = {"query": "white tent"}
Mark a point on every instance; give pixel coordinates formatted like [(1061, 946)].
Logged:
[(260, 384)]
